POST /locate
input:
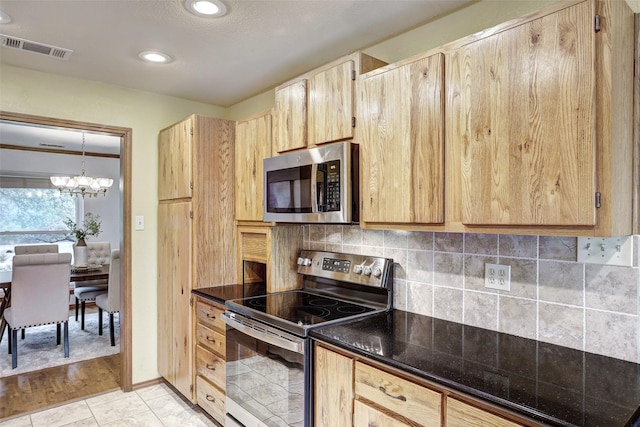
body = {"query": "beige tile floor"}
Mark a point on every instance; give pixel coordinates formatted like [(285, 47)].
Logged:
[(151, 406)]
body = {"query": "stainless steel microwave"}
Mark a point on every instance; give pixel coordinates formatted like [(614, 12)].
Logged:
[(317, 185)]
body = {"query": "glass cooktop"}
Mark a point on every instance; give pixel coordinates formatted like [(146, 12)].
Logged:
[(296, 311)]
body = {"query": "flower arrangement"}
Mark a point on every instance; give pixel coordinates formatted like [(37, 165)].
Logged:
[(90, 227)]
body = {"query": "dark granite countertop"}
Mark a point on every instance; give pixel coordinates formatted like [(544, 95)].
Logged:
[(223, 293), (552, 384)]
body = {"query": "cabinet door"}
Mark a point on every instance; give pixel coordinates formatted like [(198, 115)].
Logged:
[(290, 117), (333, 388), (174, 161), (401, 133), (253, 145), (521, 105), (462, 415), (331, 104), (175, 330), (366, 416)]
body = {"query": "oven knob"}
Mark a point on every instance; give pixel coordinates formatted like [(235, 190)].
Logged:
[(376, 272), (367, 271), (357, 269), (306, 262), (300, 260)]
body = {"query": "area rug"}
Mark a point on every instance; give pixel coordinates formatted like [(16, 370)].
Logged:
[(39, 350)]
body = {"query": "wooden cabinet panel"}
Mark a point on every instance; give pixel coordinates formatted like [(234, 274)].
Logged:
[(366, 416), (211, 399), (460, 414), (403, 397), (254, 246), (522, 111), (290, 117), (333, 389), (401, 133), (174, 290), (253, 145), (214, 340), (211, 366), (331, 104), (210, 316), (174, 161)]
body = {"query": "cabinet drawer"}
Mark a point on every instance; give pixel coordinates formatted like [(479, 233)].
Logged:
[(365, 416), (211, 366), (211, 399), (210, 316), (254, 247), (213, 340), (403, 397), (460, 414)]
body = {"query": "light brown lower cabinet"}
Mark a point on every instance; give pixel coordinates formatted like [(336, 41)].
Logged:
[(365, 415), (210, 359), (354, 391), (459, 414)]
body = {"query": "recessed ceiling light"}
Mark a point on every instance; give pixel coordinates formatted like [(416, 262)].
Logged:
[(4, 18), (206, 8), (155, 56)]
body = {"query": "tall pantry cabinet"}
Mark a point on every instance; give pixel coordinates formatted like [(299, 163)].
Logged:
[(196, 233)]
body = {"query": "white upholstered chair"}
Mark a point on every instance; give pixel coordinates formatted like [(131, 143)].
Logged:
[(39, 296), (35, 249), (110, 302), (97, 253)]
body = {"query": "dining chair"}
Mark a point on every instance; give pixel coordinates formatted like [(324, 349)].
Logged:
[(39, 296), (35, 249), (110, 302), (98, 253)]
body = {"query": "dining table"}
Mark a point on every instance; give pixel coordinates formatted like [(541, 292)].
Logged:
[(78, 274)]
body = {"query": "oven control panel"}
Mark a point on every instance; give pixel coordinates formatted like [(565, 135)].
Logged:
[(354, 268)]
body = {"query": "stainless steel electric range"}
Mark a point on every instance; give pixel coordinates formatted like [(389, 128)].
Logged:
[(269, 355)]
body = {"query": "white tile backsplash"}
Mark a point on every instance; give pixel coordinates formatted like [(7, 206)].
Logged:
[(553, 298)]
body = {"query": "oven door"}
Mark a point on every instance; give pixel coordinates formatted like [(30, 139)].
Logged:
[(269, 380)]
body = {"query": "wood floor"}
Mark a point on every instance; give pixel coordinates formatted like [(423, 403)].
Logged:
[(31, 391)]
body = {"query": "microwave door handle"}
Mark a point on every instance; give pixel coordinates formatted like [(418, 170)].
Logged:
[(314, 185)]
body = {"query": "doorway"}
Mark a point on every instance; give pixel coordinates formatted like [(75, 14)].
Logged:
[(125, 135)]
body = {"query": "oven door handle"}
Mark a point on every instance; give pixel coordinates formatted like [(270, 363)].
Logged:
[(264, 333)]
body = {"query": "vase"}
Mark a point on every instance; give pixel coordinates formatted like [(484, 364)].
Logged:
[(80, 254)]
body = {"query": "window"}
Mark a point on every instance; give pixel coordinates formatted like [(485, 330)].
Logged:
[(33, 213)]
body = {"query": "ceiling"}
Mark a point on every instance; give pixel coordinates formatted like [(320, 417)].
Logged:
[(256, 46)]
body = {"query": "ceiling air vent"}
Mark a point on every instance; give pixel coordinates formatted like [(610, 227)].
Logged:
[(35, 47)]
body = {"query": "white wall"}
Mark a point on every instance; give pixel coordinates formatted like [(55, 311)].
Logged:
[(107, 206)]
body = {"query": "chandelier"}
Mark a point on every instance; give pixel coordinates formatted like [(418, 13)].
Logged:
[(82, 185)]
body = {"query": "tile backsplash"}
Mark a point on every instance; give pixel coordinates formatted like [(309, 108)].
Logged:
[(553, 298)]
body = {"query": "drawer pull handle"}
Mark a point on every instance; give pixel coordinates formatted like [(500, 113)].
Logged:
[(211, 340), (211, 367), (399, 397), (211, 316), (211, 398)]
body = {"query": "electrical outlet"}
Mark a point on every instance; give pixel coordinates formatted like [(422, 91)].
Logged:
[(497, 276)]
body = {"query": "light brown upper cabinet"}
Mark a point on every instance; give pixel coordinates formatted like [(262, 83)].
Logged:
[(174, 155), (318, 107), (290, 117), (539, 120), (401, 137), (253, 145)]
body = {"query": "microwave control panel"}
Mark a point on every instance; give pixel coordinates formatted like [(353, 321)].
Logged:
[(333, 185)]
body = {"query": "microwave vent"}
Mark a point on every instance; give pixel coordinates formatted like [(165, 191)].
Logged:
[(35, 47)]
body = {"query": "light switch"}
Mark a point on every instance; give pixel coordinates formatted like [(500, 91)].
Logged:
[(139, 222), (610, 250)]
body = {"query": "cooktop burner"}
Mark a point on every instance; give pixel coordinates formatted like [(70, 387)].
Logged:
[(301, 307)]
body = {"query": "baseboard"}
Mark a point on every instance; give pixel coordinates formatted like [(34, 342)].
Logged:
[(155, 381)]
